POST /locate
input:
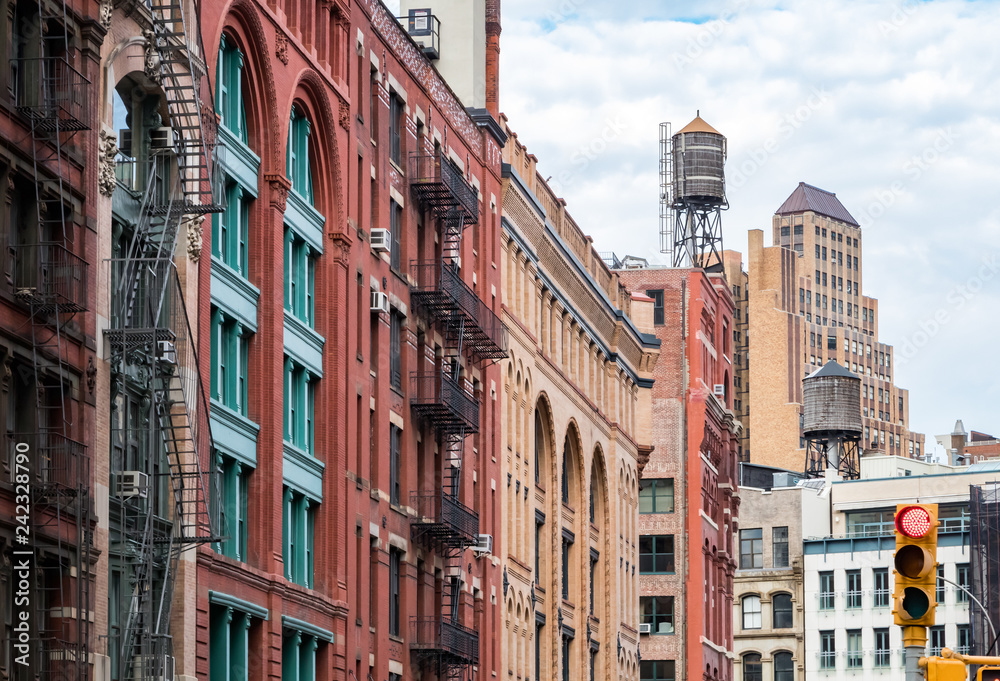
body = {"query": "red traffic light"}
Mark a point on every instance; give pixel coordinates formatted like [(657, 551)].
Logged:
[(914, 521)]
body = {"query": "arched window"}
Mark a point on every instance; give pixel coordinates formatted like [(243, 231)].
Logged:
[(782, 611), (298, 155), (539, 444), (784, 669), (565, 470), (229, 91), (751, 612), (752, 670)]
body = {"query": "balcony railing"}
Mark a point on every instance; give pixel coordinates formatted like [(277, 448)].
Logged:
[(54, 462), (441, 400), (52, 94), (438, 288), (443, 519), (50, 276), (438, 184), (458, 644)]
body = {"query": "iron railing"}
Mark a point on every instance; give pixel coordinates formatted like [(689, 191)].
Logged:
[(439, 289), (442, 636), (54, 461), (50, 276), (447, 405), (444, 518), (53, 94), (438, 184)]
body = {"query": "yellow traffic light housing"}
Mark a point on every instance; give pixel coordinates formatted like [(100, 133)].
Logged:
[(988, 674), (914, 598), (940, 669)]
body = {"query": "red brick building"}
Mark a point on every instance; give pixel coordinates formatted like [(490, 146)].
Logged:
[(689, 503), (352, 332)]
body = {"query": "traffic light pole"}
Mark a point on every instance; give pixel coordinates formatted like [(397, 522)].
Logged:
[(914, 644), (969, 659)]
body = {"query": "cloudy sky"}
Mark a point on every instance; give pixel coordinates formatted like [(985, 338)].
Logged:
[(892, 104)]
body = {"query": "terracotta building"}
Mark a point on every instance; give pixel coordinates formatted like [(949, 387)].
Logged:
[(575, 433), (689, 501), (352, 333), (806, 307)]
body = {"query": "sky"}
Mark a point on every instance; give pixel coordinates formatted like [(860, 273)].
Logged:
[(892, 105)]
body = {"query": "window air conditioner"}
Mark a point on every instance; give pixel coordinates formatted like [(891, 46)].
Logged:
[(719, 390), (381, 240), (485, 545), (161, 138), (645, 628), (379, 302), (166, 351), (131, 484)]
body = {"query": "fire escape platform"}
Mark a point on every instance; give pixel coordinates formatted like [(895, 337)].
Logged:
[(440, 399), (439, 639), (437, 183), (443, 521)]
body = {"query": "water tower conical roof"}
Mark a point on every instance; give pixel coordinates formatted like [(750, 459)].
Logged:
[(698, 125)]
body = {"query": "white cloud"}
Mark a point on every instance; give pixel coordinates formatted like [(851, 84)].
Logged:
[(896, 78)]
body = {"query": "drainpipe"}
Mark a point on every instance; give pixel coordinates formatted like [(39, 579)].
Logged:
[(684, 477)]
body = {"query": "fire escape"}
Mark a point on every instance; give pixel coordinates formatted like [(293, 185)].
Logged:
[(440, 399), (51, 282), (162, 492)]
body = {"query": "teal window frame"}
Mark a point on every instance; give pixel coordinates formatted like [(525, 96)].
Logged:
[(299, 406), (231, 229), (297, 162), (300, 278), (657, 670), (229, 644), (230, 348), (229, 90), (658, 612), (298, 656), (657, 496), (298, 537), (653, 548), (232, 506)]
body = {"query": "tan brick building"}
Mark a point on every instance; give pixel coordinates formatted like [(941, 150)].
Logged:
[(575, 422), (805, 308), (739, 283)]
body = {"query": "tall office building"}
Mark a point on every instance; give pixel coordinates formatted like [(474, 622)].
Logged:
[(806, 307)]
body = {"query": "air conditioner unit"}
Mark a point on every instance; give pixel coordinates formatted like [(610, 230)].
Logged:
[(131, 484), (485, 545), (719, 390), (381, 240), (125, 141), (646, 628), (166, 351), (379, 302), (161, 138)]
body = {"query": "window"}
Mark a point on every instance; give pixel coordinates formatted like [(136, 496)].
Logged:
[(658, 611), (656, 554), (751, 549), (230, 508), (395, 558), (881, 647), (657, 496), (962, 579), (297, 163), (298, 533), (752, 668), (396, 234), (656, 670), (937, 640), (658, 315), (854, 588), (298, 655), (831, 342), (395, 127), (826, 591), (781, 607), (395, 440), (300, 278), (881, 594), (824, 253), (785, 231), (784, 668), (395, 350), (230, 347), (539, 524), (854, 653), (565, 568), (231, 230), (229, 89), (751, 612), (299, 408), (229, 641), (827, 650), (964, 639), (566, 674)]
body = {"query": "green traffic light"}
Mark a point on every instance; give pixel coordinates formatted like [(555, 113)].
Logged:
[(915, 602)]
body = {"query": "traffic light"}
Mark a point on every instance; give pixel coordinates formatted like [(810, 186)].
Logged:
[(939, 669), (916, 562), (988, 674)]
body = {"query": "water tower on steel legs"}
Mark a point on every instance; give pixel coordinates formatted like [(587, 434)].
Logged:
[(831, 421), (692, 194)]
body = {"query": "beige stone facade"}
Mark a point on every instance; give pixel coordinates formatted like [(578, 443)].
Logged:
[(806, 308), (739, 281), (575, 415)]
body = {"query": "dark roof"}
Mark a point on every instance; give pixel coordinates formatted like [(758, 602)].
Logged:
[(832, 368), (807, 197)]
